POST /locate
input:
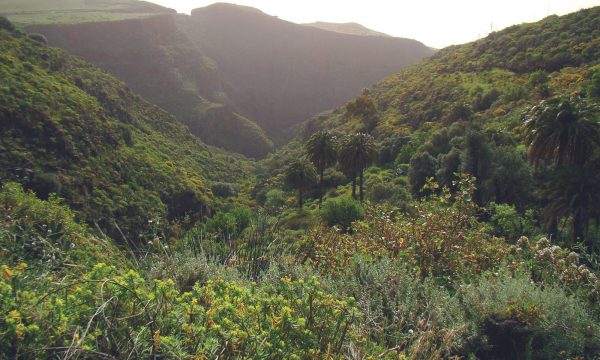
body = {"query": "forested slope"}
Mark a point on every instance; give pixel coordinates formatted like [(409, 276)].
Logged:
[(69, 128), (463, 111)]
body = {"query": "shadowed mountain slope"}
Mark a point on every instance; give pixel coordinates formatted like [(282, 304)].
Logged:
[(279, 73), (156, 60)]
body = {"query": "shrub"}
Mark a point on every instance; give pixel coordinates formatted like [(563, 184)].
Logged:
[(44, 184), (439, 237), (485, 101), (85, 316), (44, 233), (518, 319), (515, 93), (593, 89), (506, 221), (342, 212), (223, 189), (229, 224), (275, 200), (386, 191)]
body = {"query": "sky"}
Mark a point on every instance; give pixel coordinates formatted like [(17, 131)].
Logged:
[(437, 23)]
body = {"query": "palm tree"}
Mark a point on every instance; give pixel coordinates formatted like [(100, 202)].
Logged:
[(355, 153), (300, 175), (575, 192), (321, 149), (564, 133)]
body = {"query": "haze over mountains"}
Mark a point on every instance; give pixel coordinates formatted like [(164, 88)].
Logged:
[(237, 77)]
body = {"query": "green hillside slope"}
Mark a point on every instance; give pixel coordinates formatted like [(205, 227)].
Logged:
[(70, 128), (491, 80), (157, 61), (463, 111)]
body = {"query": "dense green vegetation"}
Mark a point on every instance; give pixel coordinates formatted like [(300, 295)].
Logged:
[(527, 133), (474, 232), (70, 129)]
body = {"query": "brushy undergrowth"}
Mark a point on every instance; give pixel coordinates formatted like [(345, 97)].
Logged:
[(428, 282)]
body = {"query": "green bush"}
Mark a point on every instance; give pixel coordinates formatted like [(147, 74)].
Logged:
[(223, 189), (44, 234), (44, 184), (294, 320), (593, 89), (229, 224), (275, 200), (341, 212), (515, 93), (518, 319), (506, 221)]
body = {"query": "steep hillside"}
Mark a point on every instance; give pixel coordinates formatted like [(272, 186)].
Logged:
[(346, 28), (462, 110), (490, 80), (69, 128), (75, 11), (278, 73), (157, 61)]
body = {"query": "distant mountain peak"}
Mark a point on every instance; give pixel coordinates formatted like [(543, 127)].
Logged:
[(350, 28), (229, 7)]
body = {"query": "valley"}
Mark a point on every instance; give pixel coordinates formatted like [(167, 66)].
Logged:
[(228, 184)]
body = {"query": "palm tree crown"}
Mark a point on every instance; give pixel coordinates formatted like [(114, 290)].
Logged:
[(300, 175), (355, 153), (562, 131), (565, 133), (321, 149)]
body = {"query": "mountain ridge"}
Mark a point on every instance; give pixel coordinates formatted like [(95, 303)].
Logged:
[(261, 87), (350, 28), (324, 63)]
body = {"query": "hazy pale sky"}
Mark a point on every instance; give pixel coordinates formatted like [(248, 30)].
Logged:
[(436, 23)]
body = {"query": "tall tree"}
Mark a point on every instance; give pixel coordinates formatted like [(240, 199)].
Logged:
[(321, 149), (561, 131), (565, 133), (300, 175), (355, 153), (574, 191)]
